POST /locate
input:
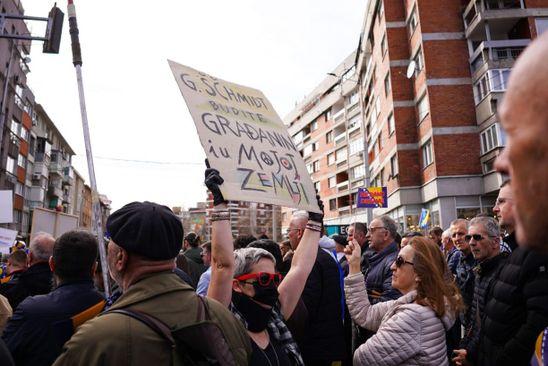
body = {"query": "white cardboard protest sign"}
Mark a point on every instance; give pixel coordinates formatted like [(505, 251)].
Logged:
[(52, 222), (245, 139), (6, 207), (7, 238)]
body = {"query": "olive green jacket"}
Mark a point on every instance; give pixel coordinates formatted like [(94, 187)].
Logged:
[(117, 339)]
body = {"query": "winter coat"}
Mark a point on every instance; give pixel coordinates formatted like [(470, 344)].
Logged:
[(42, 324), (465, 278), (516, 311), (324, 333), (117, 339), (378, 275), (407, 333), (36, 280), (485, 273)]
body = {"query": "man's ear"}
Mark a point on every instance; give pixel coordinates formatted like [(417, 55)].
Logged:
[(51, 264), (122, 258), (236, 286)]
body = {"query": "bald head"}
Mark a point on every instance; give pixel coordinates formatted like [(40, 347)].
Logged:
[(41, 248), (524, 117)]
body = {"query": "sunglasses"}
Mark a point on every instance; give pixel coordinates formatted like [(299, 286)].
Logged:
[(263, 278), (476, 237), (400, 261)]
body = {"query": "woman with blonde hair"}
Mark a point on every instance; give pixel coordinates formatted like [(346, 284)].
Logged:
[(409, 330)]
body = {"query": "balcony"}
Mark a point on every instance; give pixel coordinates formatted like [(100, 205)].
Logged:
[(339, 116), (500, 16), (496, 55), (67, 198), (41, 169), (342, 186), (56, 168), (55, 190), (340, 139)]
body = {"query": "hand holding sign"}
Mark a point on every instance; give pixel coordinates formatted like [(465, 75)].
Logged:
[(212, 181)]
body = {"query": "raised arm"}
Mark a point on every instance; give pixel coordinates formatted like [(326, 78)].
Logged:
[(292, 286), (361, 311), (222, 247)]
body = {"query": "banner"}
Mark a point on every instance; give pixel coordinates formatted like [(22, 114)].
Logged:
[(372, 197), (7, 238), (424, 218), (6, 207), (245, 139)]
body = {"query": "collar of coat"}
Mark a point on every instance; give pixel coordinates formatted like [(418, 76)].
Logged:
[(149, 286)]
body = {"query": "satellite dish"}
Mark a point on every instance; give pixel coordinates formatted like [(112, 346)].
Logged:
[(411, 69)]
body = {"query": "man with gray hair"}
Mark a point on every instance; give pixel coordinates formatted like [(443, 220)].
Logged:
[(484, 238), (37, 279)]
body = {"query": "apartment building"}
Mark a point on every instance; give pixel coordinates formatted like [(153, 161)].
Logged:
[(15, 116), (429, 76)]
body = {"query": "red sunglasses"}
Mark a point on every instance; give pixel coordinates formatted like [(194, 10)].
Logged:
[(263, 278)]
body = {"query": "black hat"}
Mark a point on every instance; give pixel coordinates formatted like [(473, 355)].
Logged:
[(340, 239), (147, 229)]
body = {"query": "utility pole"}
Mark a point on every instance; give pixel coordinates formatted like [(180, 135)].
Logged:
[(96, 205)]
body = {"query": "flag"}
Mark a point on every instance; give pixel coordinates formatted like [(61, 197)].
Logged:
[(424, 219), (372, 197)]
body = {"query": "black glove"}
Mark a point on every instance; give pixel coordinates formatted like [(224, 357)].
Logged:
[(212, 181), (314, 216)]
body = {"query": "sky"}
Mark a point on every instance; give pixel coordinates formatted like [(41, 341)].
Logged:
[(143, 138)]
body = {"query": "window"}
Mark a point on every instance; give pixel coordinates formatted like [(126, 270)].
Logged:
[(391, 124), (340, 155), (491, 138), (412, 21), (317, 186), (17, 216), (298, 138), (18, 189), (24, 133), (308, 150), (377, 107), (381, 9), (314, 126), (492, 80), (542, 25), (358, 172), (328, 115), (309, 168), (21, 161), (383, 45), (489, 166), (331, 182), (15, 126), (423, 107), (381, 175), (11, 166), (387, 86), (330, 158), (394, 169), (356, 146), (332, 204), (316, 166), (329, 137), (379, 140), (352, 98), (354, 123), (427, 156), (419, 61)]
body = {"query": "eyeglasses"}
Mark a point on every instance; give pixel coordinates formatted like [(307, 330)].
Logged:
[(263, 278), (400, 262), (476, 237), (373, 229)]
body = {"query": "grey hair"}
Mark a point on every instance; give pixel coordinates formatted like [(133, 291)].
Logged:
[(301, 217), (446, 234), (390, 225), (41, 246), (245, 258), (490, 225), (459, 221)]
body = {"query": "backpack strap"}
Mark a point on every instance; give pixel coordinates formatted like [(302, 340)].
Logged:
[(152, 322)]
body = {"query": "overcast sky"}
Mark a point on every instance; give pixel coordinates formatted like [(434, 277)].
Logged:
[(135, 110)]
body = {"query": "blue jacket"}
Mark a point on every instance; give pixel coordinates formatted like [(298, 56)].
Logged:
[(42, 324), (378, 275)]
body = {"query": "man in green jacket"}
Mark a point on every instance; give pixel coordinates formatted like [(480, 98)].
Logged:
[(145, 238)]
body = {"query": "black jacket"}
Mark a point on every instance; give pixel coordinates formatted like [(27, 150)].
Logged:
[(485, 274), (42, 324), (36, 280), (516, 311), (324, 333)]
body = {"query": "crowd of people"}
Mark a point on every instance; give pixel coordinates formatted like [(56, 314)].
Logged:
[(475, 293)]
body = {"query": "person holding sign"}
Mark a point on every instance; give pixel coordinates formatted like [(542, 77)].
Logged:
[(247, 283)]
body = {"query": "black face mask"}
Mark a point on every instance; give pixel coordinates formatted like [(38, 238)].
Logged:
[(267, 295), (255, 315)]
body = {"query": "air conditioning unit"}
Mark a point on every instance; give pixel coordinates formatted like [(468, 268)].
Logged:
[(36, 176)]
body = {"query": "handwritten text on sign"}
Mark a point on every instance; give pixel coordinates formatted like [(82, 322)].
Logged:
[(245, 139)]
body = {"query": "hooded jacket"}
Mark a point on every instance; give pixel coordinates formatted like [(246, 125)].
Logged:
[(407, 333)]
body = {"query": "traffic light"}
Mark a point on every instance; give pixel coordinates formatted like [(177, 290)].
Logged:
[(54, 30)]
